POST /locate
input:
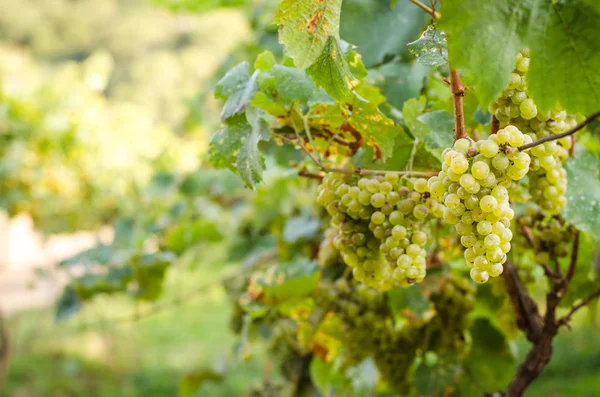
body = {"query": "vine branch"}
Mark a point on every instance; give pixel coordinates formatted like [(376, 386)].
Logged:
[(554, 137), (434, 14), (565, 320), (528, 316), (458, 92)]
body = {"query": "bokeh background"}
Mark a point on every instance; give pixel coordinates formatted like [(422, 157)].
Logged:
[(103, 104)]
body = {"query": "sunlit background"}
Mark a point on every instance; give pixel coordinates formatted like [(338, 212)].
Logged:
[(101, 103)]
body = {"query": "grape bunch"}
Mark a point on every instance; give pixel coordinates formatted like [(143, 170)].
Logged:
[(551, 234), (473, 185), (382, 225), (452, 302), (547, 178), (371, 330)]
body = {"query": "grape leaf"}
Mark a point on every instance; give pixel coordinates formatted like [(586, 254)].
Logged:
[(265, 61), (594, 4), (191, 383), (412, 109), (303, 227), (290, 280), (326, 376), (484, 44), (357, 66), (305, 27), (490, 361), (583, 192), (432, 380), (238, 88), (565, 56), (412, 300), (289, 85), (236, 146), (389, 29), (399, 81), (439, 135), (560, 35), (431, 48), (68, 304), (332, 71), (372, 124)]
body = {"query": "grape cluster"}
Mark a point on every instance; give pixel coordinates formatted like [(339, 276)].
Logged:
[(382, 225), (474, 184), (370, 331), (551, 234), (547, 178), (452, 302), (370, 328)]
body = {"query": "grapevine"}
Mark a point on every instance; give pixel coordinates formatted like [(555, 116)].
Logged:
[(396, 206)]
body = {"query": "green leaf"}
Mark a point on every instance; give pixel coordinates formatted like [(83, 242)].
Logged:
[(290, 280), (249, 162), (186, 234), (288, 85), (412, 299), (238, 88), (432, 379), (594, 4), (298, 228), (236, 146), (399, 81), (305, 27), (190, 383), (378, 29), (412, 109), (325, 376), (559, 34), (484, 45), (440, 135), (431, 48), (374, 126), (357, 67), (583, 192), (490, 361), (565, 56), (68, 304), (332, 71), (265, 61)]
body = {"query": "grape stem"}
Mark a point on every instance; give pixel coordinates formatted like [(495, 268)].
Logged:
[(434, 14), (458, 92), (362, 171), (554, 137), (495, 125)]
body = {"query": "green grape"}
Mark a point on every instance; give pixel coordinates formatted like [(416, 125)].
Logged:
[(459, 164), (479, 203), (480, 276), (545, 160), (376, 219)]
